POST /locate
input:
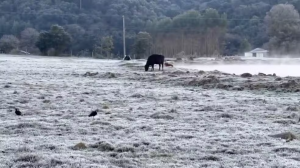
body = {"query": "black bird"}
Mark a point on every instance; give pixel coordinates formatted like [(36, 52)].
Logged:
[(18, 112), (93, 113)]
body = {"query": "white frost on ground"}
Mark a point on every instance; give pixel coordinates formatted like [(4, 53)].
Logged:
[(147, 124), (280, 70)]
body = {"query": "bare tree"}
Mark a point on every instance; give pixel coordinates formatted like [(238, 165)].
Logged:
[(28, 39)]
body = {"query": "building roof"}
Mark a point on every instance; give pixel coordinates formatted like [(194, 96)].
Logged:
[(258, 50)]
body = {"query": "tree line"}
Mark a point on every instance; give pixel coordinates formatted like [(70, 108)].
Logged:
[(174, 27)]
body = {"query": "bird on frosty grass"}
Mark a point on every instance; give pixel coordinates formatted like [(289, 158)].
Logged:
[(93, 113), (18, 112)]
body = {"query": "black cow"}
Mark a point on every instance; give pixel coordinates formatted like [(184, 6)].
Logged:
[(155, 59)]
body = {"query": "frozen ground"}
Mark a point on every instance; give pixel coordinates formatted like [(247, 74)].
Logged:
[(149, 120), (280, 70)]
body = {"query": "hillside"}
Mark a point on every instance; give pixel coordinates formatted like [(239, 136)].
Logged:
[(94, 19)]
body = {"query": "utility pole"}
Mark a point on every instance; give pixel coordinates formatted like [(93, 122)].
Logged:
[(124, 44)]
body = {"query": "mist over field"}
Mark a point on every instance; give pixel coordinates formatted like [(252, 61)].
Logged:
[(280, 66)]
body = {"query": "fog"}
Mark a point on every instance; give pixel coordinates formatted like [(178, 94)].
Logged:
[(280, 70)]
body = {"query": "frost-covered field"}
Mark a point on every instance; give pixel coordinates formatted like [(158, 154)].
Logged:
[(280, 70), (145, 119)]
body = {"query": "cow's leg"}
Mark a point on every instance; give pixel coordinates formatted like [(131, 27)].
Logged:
[(153, 67), (159, 67)]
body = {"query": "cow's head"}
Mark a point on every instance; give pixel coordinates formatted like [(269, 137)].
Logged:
[(146, 67)]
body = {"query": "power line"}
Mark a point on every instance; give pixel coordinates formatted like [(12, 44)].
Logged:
[(195, 29), (136, 17), (148, 18)]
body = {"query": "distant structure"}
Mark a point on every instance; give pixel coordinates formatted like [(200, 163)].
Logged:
[(257, 53), (24, 52), (127, 58)]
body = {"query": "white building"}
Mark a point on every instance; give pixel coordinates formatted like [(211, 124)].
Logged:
[(256, 53)]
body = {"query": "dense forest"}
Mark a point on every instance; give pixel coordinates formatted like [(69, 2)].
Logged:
[(170, 27)]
